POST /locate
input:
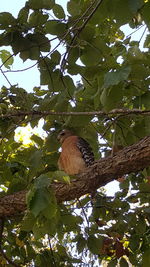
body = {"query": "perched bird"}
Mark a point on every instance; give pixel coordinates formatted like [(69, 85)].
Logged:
[(76, 153)]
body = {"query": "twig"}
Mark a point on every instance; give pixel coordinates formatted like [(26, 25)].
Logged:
[(84, 213), (133, 32), (143, 34), (53, 258), (5, 76)]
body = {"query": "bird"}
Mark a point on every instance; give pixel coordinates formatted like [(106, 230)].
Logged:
[(76, 154)]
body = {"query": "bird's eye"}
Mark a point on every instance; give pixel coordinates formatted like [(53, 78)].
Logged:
[(62, 133)]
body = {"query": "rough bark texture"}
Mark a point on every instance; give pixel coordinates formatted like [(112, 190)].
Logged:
[(131, 159)]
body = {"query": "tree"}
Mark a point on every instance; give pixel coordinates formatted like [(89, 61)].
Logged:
[(46, 217)]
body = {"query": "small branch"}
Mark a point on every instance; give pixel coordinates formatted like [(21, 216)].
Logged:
[(112, 113), (84, 213), (133, 32), (143, 34), (5, 77)]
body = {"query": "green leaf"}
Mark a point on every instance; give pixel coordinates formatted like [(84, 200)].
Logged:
[(87, 33), (7, 58), (91, 55), (45, 4), (61, 176), (39, 92), (38, 40), (28, 222), (36, 159), (23, 15), (38, 140), (6, 19), (134, 242), (145, 13), (123, 263), (112, 263), (95, 244), (140, 228), (145, 100), (115, 77), (50, 211), (74, 121), (122, 13), (81, 244), (147, 42), (73, 7), (144, 187), (55, 27), (135, 5), (124, 184), (146, 258), (71, 222), (43, 181), (37, 18), (111, 97), (39, 201), (56, 57), (58, 11)]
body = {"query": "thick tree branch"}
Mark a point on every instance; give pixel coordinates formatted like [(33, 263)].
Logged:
[(131, 159), (111, 113)]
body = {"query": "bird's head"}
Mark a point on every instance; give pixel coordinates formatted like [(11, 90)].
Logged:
[(63, 135)]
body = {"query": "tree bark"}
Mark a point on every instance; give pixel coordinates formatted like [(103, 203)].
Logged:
[(130, 159)]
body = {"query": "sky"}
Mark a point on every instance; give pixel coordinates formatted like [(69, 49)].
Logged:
[(29, 79)]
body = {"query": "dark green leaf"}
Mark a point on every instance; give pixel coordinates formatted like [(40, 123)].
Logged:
[(40, 201), (111, 97), (6, 19), (23, 15), (55, 27), (81, 244), (146, 258), (28, 222), (73, 8), (58, 11), (37, 18), (123, 263), (95, 244), (45, 4), (38, 140)]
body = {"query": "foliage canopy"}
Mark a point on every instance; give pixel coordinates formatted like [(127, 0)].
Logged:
[(86, 40)]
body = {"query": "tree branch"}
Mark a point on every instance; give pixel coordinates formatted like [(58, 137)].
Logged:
[(131, 159), (112, 113)]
